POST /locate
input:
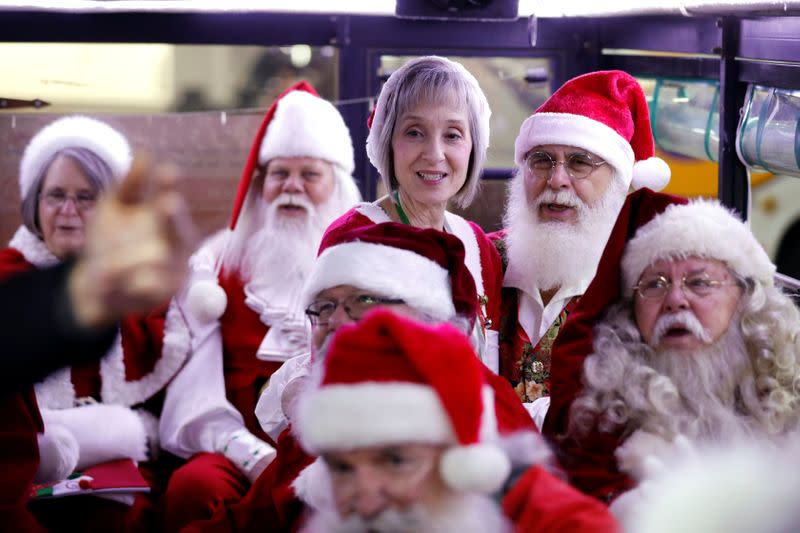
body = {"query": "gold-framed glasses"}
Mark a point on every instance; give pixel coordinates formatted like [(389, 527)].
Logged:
[(56, 199), (578, 165), (657, 287)]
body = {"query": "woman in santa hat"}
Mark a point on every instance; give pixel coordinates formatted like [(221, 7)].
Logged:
[(94, 412), (428, 138)]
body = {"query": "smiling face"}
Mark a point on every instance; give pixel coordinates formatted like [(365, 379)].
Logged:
[(713, 311), (63, 227), (559, 199), (431, 146), (297, 182)]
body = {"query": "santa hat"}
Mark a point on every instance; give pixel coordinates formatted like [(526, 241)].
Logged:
[(423, 267), (298, 124), (391, 380), (604, 112), (702, 228), (73, 132)]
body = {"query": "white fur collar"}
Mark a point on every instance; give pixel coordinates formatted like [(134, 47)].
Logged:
[(33, 248)]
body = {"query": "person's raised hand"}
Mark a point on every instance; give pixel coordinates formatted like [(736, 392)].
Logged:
[(137, 247)]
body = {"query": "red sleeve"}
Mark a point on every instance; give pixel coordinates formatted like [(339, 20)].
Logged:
[(492, 271), (12, 262), (271, 502), (590, 464), (541, 503)]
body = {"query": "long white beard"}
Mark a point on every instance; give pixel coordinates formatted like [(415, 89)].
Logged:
[(555, 254), (712, 382), (463, 513)]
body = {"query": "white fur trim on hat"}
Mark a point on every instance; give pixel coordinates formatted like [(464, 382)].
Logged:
[(356, 415), (305, 125), (702, 228), (390, 272), (74, 132), (476, 467), (576, 130)]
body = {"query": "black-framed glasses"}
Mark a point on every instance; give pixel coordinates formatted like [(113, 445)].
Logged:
[(356, 306), (657, 287), (578, 165), (56, 199)]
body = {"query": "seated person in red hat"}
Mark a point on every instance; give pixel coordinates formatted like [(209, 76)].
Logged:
[(420, 272), (405, 447), (576, 157), (243, 302), (701, 346)]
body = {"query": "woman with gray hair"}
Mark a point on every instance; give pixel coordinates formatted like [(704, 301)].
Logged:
[(428, 138), (89, 413)]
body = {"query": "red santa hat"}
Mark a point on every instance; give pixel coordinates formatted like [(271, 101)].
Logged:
[(604, 112), (423, 267), (701, 228), (391, 380), (298, 124), (73, 132)]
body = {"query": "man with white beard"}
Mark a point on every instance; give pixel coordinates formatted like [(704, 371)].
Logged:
[(404, 447), (702, 347), (243, 302), (576, 157)]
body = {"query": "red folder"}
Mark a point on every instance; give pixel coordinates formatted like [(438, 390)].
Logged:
[(113, 477)]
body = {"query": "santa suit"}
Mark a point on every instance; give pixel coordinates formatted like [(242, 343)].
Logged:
[(134, 371), (274, 497), (215, 395), (527, 329), (591, 464), (481, 259)]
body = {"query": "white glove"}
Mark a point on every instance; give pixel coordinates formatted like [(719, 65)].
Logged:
[(103, 432), (250, 454), (58, 453)]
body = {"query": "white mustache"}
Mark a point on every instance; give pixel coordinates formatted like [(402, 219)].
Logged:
[(293, 199), (681, 319), (563, 197)]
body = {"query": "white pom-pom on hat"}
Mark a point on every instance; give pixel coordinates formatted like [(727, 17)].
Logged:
[(476, 467), (653, 173), (206, 300)]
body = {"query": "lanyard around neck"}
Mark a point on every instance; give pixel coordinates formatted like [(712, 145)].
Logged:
[(399, 207)]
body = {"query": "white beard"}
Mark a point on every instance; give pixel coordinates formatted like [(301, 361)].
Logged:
[(712, 382), (463, 513), (555, 254)]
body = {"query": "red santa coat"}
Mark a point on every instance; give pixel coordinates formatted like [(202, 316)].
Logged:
[(590, 464), (481, 258)]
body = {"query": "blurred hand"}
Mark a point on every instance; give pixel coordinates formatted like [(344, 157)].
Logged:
[(137, 247)]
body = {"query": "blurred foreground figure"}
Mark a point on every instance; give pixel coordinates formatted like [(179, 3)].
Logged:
[(404, 447), (134, 258)]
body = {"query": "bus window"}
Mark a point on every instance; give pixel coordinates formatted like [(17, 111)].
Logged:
[(198, 106)]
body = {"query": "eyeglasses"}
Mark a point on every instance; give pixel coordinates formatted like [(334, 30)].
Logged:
[(658, 287), (356, 306), (578, 165), (56, 199)]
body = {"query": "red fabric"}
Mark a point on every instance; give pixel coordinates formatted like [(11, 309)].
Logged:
[(411, 352), (207, 482), (252, 158), (12, 262), (19, 458), (271, 502), (491, 265), (612, 97), (539, 502), (445, 250), (590, 464), (242, 333), (91, 514)]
